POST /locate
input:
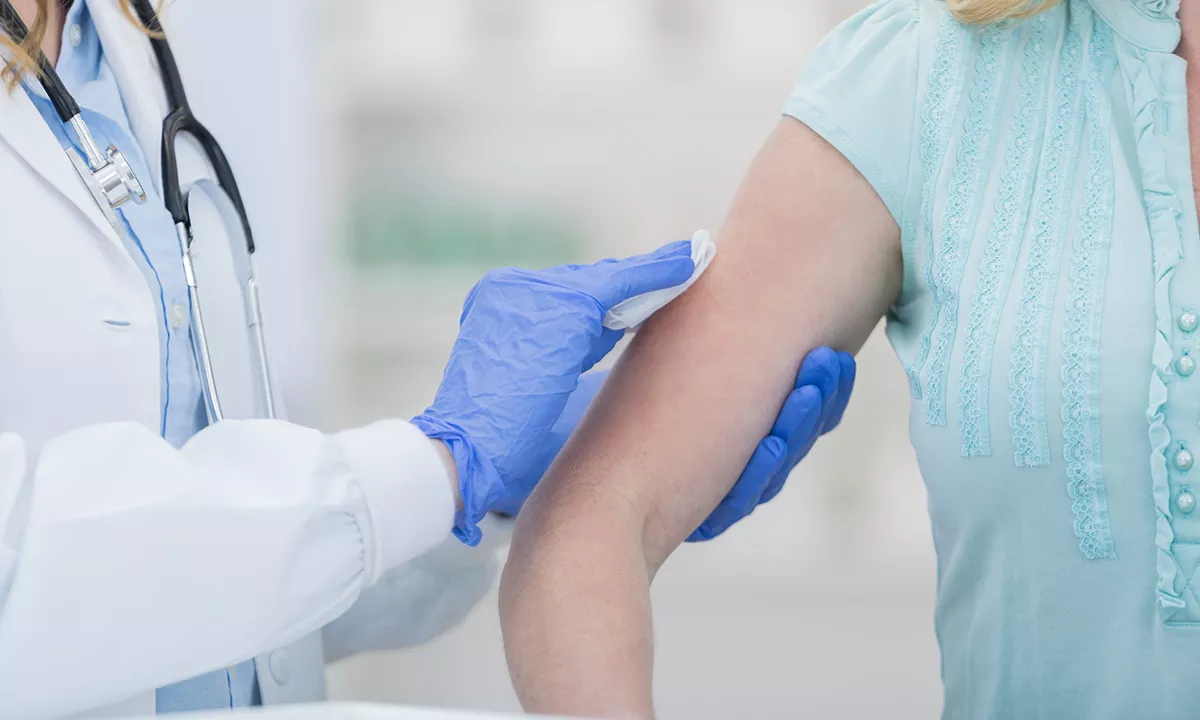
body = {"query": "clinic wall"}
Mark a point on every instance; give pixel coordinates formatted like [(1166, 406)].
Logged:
[(620, 125)]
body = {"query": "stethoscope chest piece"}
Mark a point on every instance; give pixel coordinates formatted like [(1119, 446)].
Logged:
[(117, 180), (109, 170)]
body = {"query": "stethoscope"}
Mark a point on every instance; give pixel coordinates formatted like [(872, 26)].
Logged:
[(113, 183)]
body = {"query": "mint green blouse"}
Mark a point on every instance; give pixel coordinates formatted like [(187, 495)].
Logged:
[(1050, 328)]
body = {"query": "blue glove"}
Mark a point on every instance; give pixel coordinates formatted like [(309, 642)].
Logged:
[(815, 407), (524, 339)]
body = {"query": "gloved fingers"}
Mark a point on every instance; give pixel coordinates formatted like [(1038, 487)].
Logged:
[(601, 347), (801, 408), (774, 488), (822, 368), (743, 497), (677, 248), (765, 463), (849, 371), (570, 268), (804, 433), (817, 366), (666, 267), (767, 459)]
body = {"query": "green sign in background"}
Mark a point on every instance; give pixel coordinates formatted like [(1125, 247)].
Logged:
[(407, 231)]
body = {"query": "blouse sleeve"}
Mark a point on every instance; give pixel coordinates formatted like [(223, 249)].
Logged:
[(858, 91)]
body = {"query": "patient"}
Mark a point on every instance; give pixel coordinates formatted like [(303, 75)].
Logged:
[(1016, 197)]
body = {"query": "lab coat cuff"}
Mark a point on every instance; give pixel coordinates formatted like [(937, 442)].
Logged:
[(407, 489)]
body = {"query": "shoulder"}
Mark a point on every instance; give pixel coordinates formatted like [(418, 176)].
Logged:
[(860, 86)]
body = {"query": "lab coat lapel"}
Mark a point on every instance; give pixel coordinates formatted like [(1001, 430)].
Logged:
[(135, 67), (24, 128)]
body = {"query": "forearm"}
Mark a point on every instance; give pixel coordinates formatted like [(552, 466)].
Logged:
[(575, 595), (575, 603)]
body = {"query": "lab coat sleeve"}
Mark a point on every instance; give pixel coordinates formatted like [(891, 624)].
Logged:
[(126, 565), (423, 598)]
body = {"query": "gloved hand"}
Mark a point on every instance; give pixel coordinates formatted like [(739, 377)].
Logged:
[(815, 407), (524, 339)]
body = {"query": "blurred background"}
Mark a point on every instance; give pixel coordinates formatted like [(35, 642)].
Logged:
[(425, 141)]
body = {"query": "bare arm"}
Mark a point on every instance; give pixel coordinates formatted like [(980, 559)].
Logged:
[(808, 257)]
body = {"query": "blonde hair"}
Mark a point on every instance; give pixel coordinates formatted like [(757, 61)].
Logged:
[(22, 57), (986, 12)]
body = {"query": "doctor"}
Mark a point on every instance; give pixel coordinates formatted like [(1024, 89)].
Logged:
[(142, 545)]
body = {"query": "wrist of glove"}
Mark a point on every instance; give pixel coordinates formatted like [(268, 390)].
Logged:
[(475, 470)]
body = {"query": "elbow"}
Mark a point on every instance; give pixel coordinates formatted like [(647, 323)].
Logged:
[(659, 535), (572, 596), (568, 531)]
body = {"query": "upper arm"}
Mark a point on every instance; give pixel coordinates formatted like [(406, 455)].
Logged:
[(809, 256)]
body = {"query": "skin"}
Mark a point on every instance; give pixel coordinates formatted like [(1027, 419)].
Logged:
[(51, 44), (575, 601), (680, 416)]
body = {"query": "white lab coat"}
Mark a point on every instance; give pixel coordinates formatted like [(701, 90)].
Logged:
[(123, 562)]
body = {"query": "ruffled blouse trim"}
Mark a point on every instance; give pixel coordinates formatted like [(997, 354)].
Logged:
[(1163, 208), (1149, 24)]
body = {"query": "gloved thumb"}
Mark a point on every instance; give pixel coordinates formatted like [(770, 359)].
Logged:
[(666, 267)]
